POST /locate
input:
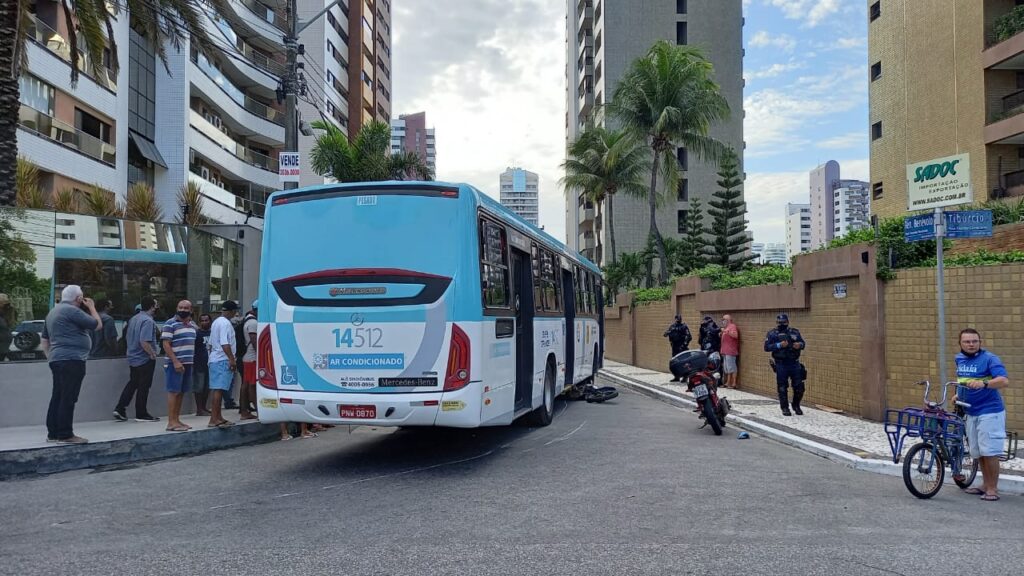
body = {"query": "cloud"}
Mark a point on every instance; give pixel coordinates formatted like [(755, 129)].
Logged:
[(848, 43), (480, 75), (763, 39), (774, 70), (845, 141), (810, 12)]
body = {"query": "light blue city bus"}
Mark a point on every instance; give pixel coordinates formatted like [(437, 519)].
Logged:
[(418, 304)]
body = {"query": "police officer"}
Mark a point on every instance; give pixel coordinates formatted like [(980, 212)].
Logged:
[(785, 345), (710, 337), (679, 337)]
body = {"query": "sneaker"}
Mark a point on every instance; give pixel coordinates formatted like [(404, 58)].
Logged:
[(786, 412), (147, 418), (798, 411), (120, 416), (73, 440)]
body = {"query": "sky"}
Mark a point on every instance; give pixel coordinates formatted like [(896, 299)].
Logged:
[(490, 74)]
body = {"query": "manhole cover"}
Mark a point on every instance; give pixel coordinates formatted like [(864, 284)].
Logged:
[(753, 402)]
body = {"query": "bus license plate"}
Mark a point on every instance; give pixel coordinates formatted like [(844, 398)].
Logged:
[(700, 391), (357, 411)]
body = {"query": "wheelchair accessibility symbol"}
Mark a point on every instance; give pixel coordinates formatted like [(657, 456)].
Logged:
[(289, 375)]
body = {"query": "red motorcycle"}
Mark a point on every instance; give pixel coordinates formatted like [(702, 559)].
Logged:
[(700, 372)]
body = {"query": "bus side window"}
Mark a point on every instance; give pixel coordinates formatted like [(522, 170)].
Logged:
[(494, 279), (538, 282)]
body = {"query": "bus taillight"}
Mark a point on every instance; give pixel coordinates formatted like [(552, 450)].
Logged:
[(265, 351), (458, 360)]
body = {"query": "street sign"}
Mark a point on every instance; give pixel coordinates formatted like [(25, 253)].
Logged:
[(917, 228), (940, 182), (969, 224), (288, 167)]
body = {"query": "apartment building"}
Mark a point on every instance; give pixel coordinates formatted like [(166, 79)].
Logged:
[(519, 192), (851, 207), (946, 77), (602, 39), (409, 133), (215, 120), (798, 229), (822, 185)]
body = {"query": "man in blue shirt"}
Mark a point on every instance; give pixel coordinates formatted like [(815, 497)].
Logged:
[(141, 363), (786, 344), (981, 374)]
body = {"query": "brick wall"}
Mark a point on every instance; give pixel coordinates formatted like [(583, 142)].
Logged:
[(1004, 238), (988, 298), (833, 328), (618, 341)]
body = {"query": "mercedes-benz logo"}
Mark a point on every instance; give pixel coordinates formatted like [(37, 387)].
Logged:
[(357, 319)]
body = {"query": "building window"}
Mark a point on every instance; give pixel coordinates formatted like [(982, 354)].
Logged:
[(36, 94), (876, 10), (141, 86), (876, 71), (683, 158), (681, 33), (684, 190), (92, 125), (876, 130), (680, 6), (681, 217), (876, 191)]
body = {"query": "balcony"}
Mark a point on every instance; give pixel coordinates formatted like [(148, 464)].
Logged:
[(259, 20), (585, 12), (588, 242), (254, 66), (230, 203), (586, 219), (250, 116), (66, 135), (1006, 125), (230, 145), (1013, 184), (45, 36)]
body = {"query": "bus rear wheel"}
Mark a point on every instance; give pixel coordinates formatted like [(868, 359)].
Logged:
[(544, 413)]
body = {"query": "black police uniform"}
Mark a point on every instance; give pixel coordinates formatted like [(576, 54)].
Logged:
[(710, 337), (787, 364), (679, 337)]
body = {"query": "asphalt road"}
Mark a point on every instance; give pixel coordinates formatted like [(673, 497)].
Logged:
[(627, 487)]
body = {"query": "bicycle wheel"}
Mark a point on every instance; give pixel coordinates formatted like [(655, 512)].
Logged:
[(968, 468), (923, 470)]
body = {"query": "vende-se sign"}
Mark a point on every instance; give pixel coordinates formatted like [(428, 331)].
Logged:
[(940, 182), (288, 166)]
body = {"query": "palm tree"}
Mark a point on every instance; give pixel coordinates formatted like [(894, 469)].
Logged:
[(603, 163), (140, 204), (668, 99), (101, 202), (190, 198), (90, 26), (29, 194), (367, 159)]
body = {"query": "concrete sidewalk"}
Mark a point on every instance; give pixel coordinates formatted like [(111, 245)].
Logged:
[(852, 441), (24, 449)]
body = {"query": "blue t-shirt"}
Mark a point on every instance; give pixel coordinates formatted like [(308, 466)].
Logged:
[(982, 366), (183, 338), (141, 328)]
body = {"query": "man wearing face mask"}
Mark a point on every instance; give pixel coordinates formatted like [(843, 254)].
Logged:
[(179, 342), (786, 344)]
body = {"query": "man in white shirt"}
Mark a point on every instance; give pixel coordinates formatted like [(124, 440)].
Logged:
[(222, 346)]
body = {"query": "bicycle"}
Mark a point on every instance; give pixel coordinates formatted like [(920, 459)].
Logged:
[(943, 443)]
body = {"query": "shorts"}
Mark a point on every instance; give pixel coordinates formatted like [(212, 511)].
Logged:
[(200, 380), (177, 383), (729, 364), (221, 376), (986, 434), (249, 373)]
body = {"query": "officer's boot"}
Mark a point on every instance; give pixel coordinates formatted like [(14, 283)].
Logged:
[(798, 395), (784, 400)]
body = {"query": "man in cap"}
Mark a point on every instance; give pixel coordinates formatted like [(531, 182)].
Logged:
[(222, 361), (785, 345)]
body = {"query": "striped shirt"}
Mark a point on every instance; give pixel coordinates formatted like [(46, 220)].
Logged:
[(183, 338)]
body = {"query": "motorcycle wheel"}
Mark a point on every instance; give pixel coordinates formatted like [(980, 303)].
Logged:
[(711, 417), (723, 410)]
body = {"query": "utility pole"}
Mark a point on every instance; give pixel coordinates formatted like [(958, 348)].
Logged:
[(290, 81)]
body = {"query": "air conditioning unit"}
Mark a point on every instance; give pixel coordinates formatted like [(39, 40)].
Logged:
[(205, 173)]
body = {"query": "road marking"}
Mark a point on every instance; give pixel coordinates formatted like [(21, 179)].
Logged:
[(560, 438)]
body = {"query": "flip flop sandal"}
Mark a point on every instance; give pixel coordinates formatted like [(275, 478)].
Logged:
[(990, 497), (974, 491), (178, 429)]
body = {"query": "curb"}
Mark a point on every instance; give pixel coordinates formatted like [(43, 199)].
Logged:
[(51, 459), (1007, 484)]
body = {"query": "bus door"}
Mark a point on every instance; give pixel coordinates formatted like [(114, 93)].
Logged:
[(569, 292), (522, 279)]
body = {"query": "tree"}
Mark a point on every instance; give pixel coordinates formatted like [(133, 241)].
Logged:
[(603, 163), (190, 198), (140, 204), (28, 192), (101, 202), (728, 228), (668, 99), (367, 159), (690, 255), (90, 29), (626, 273)]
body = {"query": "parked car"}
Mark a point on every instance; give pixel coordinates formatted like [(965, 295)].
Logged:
[(27, 342)]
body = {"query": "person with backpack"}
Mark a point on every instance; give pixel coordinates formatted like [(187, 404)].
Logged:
[(247, 359)]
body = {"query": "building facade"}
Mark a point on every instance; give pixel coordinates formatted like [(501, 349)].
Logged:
[(943, 81), (212, 120), (602, 39), (519, 193), (774, 253), (798, 229), (852, 207), (823, 182), (409, 133)]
